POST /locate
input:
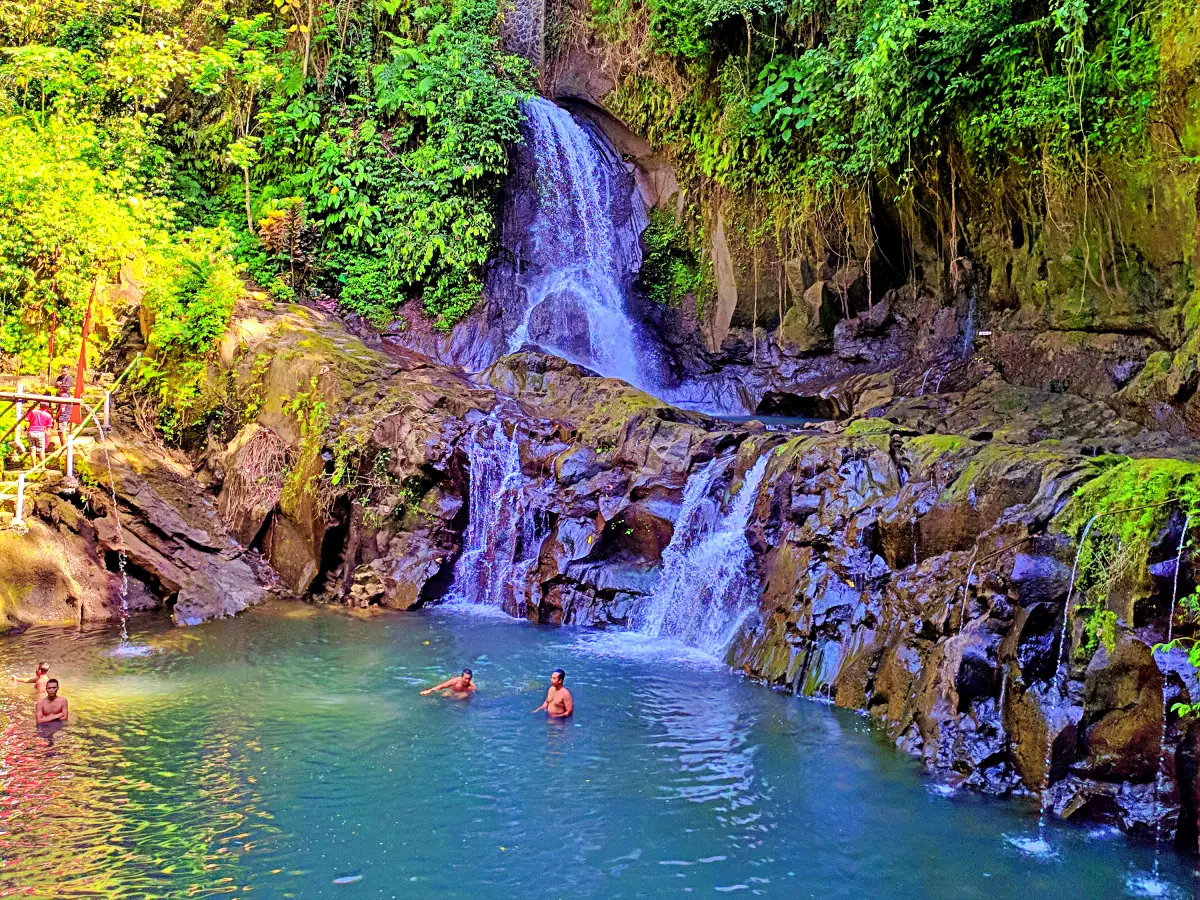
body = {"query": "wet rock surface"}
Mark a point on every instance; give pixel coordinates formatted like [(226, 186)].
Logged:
[(908, 557)]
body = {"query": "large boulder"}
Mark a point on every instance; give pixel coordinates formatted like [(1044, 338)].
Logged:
[(1123, 713)]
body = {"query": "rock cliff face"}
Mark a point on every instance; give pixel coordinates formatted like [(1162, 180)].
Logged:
[(911, 560), (911, 563), (135, 533)]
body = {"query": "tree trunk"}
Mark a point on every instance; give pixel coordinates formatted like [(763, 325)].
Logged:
[(249, 213), (307, 42)]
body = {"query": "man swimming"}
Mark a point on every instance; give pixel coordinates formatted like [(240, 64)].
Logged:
[(38, 679), (51, 712), (559, 704), (460, 687)]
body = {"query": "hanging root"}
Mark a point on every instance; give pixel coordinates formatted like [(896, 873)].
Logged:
[(257, 480)]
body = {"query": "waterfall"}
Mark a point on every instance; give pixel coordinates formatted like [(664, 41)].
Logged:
[(707, 587), (969, 326), (503, 537), (1160, 774), (582, 252)]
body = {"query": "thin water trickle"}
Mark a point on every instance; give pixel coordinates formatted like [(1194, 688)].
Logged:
[(968, 343), (962, 616), (1063, 639), (1160, 773), (708, 587), (123, 592), (1059, 681), (1000, 703)]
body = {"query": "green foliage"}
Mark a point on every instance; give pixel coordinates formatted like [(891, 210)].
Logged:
[(672, 264), (190, 303), (1099, 628), (66, 216), (382, 128), (810, 101), (311, 414), (1114, 517), (371, 290)]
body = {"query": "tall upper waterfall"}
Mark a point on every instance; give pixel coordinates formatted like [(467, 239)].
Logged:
[(581, 252), (708, 586)]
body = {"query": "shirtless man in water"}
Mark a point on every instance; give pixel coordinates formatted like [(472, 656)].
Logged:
[(460, 688), (50, 712), (559, 703), (38, 679)]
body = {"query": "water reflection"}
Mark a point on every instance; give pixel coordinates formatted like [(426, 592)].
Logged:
[(131, 801), (285, 755)]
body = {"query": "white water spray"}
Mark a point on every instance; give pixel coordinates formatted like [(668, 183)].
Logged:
[(502, 538), (708, 587), (578, 264)]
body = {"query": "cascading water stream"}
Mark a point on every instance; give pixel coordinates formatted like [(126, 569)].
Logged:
[(708, 586), (1162, 740), (580, 260), (1062, 643), (123, 648), (502, 537), (1039, 846)]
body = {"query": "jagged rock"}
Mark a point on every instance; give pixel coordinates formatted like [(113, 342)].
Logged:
[(1039, 578), (810, 322), (1042, 727), (1123, 710), (216, 591)]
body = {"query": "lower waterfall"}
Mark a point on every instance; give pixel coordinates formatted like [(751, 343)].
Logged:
[(503, 537), (708, 585)]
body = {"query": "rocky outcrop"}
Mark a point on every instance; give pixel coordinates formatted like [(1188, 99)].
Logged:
[(135, 532), (911, 557)]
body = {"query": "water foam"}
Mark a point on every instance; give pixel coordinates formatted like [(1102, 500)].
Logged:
[(708, 588)]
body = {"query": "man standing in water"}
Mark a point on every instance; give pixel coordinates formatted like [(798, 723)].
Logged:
[(38, 679), (559, 703), (51, 712), (460, 688)]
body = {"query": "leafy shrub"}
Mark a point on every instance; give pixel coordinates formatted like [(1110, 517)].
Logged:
[(190, 303), (672, 267)]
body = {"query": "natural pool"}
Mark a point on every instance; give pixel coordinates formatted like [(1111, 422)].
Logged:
[(274, 754)]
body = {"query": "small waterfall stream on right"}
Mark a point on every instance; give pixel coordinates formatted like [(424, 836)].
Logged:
[(708, 585)]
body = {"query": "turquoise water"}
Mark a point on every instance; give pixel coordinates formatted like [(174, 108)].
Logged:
[(278, 753)]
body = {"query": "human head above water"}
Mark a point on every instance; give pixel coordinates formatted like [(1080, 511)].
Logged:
[(43, 668), (467, 674), (52, 687), (557, 677)]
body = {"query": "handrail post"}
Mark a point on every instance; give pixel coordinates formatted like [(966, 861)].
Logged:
[(19, 518), (20, 410), (70, 455), (107, 401)]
